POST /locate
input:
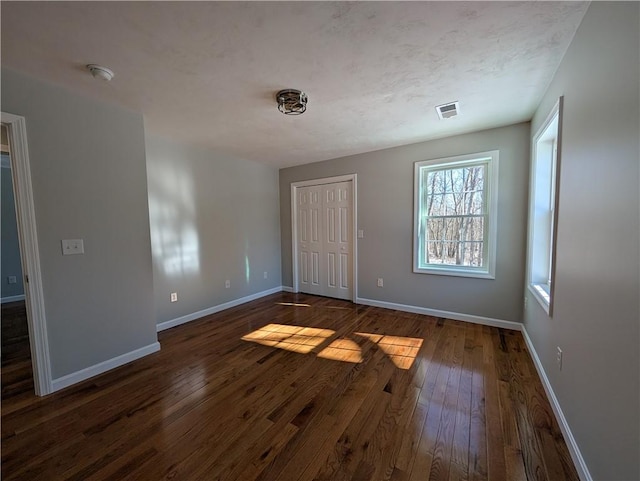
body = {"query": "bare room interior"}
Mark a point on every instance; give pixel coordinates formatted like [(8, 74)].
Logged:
[(320, 240)]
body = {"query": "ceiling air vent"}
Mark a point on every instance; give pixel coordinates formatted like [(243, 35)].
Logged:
[(446, 111)]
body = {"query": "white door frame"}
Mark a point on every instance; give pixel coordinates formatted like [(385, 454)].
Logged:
[(28, 237), (353, 178)]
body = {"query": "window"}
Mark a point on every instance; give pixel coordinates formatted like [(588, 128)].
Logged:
[(543, 203), (455, 210)]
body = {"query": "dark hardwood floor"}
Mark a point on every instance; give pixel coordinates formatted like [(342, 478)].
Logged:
[(17, 376), (296, 387)]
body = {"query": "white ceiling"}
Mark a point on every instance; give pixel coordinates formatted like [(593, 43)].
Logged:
[(207, 72)]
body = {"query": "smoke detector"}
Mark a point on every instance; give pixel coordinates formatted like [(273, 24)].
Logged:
[(446, 111), (100, 72)]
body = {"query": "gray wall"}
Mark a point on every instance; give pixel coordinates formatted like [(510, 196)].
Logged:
[(385, 213), (212, 218), (595, 319), (89, 181), (11, 265)]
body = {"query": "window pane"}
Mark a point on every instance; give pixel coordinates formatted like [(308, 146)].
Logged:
[(436, 229), (452, 238), (434, 182), (454, 191), (454, 253), (433, 203), (473, 253), (455, 241), (475, 179), (474, 202), (441, 252), (473, 229), (444, 204)]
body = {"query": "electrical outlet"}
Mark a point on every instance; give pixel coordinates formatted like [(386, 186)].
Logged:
[(559, 358), (227, 284), (265, 274), (174, 297), (12, 280), (526, 301), (380, 282)]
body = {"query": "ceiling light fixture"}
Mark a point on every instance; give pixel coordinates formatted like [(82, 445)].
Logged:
[(292, 102), (100, 72)]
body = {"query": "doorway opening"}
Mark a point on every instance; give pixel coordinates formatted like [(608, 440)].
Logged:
[(33, 311), (17, 374)]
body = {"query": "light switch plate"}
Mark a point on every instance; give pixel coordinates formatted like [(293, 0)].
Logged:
[(72, 247)]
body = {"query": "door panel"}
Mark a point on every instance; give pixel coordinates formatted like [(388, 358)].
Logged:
[(304, 267), (345, 265), (344, 225), (315, 270), (331, 270), (331, 225)]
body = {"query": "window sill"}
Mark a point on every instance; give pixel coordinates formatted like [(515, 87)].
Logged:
[(444, 271), (541, 295)]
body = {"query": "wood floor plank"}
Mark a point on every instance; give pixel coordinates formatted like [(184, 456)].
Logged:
[(460, 451), (444, 439), (295, 387), (411, 440), (478, 422), (496, 465), (514, 464)]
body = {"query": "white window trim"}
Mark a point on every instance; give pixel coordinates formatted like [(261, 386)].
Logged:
[(543, 292), (488, 271)]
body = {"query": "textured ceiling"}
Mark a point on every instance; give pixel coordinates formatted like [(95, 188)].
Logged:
[(207, 72)]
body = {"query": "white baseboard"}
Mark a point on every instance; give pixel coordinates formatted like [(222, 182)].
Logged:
[(7, 299), (83, 374), (487, 321), (574, 450), (212, 310), (287, 289)]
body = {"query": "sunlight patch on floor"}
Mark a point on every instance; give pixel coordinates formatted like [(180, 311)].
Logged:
[(344, 350), (401, 350), (291, 338)]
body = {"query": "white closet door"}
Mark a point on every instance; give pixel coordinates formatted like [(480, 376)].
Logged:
[(310, 239), (337, 239), (325, 246)]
